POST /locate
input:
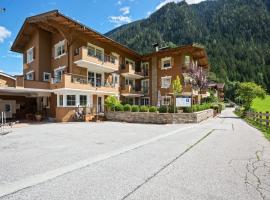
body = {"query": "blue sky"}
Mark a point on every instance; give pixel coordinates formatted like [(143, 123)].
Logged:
[(101, 15)]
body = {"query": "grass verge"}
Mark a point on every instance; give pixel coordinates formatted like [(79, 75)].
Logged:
[(263, 129)]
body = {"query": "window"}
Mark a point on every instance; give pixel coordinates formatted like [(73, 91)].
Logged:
[(166, 63), (166, 100), (145, 101), (29, 76), (145, 69), (145, 86), (187, 60), (115, 79), (95, 51), (58, 73), (91, 78), (61, 100), (59, 49), (91, 51), (83, 100), (30, 55), (95, 79), (166, 82), (99, 54), (71, 100), (46, 76), (98, 80), (7, 108), (130, 62), (130, 82)]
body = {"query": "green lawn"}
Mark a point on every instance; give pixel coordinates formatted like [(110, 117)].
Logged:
[(261, 105)]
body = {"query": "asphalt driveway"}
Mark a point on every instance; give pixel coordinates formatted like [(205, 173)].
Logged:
[(222, 158)]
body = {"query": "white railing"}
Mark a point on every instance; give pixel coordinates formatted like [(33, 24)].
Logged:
[(5, 127)]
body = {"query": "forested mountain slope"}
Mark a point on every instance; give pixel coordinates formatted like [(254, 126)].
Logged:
[(236, 34)]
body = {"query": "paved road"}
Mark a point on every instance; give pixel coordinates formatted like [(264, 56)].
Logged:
[(223, 158)]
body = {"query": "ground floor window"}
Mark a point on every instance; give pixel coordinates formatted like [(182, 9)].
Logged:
[(145, 101), (71, 100), (83, 100), (166, 100), (61, 100)]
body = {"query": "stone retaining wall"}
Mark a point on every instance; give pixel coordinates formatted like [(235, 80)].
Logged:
[(159, 118)]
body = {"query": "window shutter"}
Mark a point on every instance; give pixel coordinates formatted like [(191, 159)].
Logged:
[(172, 62)]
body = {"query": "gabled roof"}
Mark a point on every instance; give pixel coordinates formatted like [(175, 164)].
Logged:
[(198, 52), (7, 75), (58, 17)]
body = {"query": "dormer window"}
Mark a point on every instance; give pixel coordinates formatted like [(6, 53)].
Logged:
[(166, 63), (59, 49), (30, 55)]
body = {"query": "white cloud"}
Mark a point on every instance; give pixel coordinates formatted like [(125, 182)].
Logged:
[(125, 10), (120, 20), (4, 33), (164, 2)]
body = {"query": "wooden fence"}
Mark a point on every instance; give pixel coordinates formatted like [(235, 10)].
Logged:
[(261, 118)]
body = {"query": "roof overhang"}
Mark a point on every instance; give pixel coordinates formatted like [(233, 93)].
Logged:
[(24, 91), (51, 21)]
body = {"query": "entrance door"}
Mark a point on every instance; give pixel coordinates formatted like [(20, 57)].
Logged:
[(99, 104)]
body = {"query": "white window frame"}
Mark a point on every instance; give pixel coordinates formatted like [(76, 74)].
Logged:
[(44, 75), (162, 82), (142, 84), (187, 60), (163, 60), (62, 45), (144, 98), (28, 58), (164, 97), (143, 66), (27, 76), (97, 48), (131, 62), (115, 79), (75, 102), (95, 78)]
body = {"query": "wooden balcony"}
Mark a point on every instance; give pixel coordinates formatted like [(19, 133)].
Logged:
[(105, 63), (130, 91), (129, 71), (78, 82)]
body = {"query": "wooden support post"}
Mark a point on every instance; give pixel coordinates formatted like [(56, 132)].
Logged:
[(260, 115), (267, 118)]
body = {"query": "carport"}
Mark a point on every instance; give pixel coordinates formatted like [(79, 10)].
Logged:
[(24, 103)]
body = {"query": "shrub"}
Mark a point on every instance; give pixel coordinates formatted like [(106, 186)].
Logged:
[(187, 110), (144, 109), (134, 108), (111, 102), (153, 109), (171, 109), (163, 109), (127, 108), (119, 107)]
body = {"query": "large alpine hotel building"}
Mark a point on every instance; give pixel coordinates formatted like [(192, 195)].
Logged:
[(66, 65)]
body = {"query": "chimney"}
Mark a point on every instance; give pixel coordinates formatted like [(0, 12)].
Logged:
[(155, 45)]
